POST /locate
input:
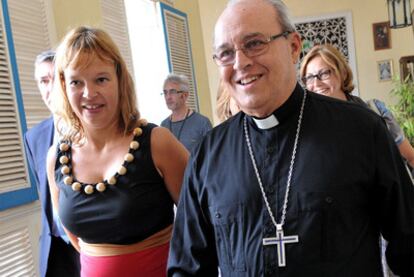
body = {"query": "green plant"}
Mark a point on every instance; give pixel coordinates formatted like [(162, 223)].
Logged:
[(404, 109)]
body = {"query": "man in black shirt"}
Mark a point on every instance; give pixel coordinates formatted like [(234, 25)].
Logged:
[(297, 184)]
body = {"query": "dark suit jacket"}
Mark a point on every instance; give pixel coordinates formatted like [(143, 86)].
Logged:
[(37, 142)]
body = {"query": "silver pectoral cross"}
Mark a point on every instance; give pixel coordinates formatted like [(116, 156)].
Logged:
[(280, 241)]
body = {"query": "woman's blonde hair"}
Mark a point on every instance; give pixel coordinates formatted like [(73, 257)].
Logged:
[(331, 56), (223, 103), (78, 49)]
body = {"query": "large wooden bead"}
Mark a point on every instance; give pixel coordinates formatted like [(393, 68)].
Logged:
[(129, 157), (76, 186), (88, 189), (65, 170), (64, 147), (122, 170), (100, 187), (142, 122), (137, 131), (63, 160), (134, 145), (68, 180), (112, 180)]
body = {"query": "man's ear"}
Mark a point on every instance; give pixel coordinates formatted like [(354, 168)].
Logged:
[(185, 95), (296, 46)]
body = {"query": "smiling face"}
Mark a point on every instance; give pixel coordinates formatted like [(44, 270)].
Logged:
[(262, 83), (331, 86), (93, 94)]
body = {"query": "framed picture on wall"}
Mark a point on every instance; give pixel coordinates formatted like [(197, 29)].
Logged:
[(385, 70), (407, 68), (382, 36)]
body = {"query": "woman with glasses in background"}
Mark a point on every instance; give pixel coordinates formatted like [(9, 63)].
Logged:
[(324, 70)]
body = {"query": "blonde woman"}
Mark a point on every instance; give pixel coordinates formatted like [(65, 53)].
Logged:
[(114, 178)]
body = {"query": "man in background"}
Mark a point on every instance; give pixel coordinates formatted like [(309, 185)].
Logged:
[(188, 126), (57, 257)]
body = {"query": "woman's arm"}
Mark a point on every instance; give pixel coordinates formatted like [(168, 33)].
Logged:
[(407, 151), (170, 158), (54, 191)]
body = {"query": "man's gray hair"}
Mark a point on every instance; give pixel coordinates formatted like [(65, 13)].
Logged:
[(180, 79), (45, 56), (282, 11)]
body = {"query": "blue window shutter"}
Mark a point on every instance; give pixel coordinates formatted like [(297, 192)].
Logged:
[(15, 186)]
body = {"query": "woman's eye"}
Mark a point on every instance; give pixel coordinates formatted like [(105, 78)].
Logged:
[(309, 79), (74, 83), (102, 79)]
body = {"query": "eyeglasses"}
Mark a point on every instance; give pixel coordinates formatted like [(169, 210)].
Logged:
[(321, 76), (172, 91), (252, 47)]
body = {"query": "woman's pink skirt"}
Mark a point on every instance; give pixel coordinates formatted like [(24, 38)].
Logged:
[(149, 262)]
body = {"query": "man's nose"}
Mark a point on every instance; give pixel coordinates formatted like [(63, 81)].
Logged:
[(241, 60)]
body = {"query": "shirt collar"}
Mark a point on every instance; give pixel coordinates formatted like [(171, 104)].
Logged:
[(266, 123)]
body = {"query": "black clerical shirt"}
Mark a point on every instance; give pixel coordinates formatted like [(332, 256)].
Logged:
[(349, 185)]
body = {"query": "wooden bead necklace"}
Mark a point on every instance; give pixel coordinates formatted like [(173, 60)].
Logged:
[(88, 189)]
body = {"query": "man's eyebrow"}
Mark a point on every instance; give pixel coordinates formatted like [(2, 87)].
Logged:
[(251, 35), (244, 38), (224, 45)]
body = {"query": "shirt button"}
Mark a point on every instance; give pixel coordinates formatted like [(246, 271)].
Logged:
[(329, 199), (217, 215), (270, 150)]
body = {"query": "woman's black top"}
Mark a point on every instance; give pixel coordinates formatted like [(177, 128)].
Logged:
[(133, 209)]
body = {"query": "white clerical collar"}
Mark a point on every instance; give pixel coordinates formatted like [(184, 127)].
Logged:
[(266, 123)]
